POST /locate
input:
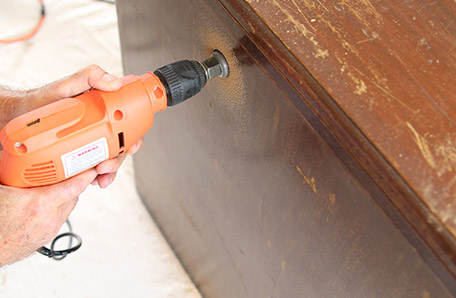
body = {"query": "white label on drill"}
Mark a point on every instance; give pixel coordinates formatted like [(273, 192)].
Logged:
[(85, 157)]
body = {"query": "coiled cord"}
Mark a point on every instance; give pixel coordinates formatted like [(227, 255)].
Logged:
[(61, 254)]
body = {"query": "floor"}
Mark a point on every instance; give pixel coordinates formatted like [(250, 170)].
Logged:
[(123, 252)]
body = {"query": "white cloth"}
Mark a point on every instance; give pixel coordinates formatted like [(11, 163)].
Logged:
[(123, 253)]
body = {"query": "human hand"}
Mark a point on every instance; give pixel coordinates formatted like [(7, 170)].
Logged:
[(107, 170), (17, 102), (90, 77), (32, 217)]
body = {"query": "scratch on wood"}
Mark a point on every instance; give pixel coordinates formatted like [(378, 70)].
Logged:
[(251, 27), (424, 91), (425, 43), (370, 37), (391, 95), (365, 40), (301, 13), (189, 218), (228, 253), (361, 88), (388, 92), (422, 144), (360, 85), (340, 36), (447, 215), (310, 181), (332, 198), (451, 23), (262, 208), (275, 120), (302, 29), (321, 54), (426, 5), (358, 12), (373, 37), (448, 154)]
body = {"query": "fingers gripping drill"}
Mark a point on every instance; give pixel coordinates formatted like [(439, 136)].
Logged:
[(62, 139)]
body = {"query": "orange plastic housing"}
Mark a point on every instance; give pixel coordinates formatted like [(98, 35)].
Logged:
[(59, 140)]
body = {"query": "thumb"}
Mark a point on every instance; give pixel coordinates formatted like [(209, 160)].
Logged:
[(92, 76), (72, 187), (99, 79)]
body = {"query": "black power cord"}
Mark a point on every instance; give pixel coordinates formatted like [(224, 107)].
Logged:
[(61, 254)]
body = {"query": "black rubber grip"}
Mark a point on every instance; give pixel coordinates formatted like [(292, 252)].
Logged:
[(182, 80)]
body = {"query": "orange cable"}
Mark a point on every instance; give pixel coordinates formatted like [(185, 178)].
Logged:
[(33, 32)]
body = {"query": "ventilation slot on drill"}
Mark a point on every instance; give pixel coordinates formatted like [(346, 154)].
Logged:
[(34, 122), (42, 173), (121, 141)]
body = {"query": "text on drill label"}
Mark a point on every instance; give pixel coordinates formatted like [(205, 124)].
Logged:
[(85, 157)]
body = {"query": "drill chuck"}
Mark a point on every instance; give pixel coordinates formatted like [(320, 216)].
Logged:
[(184, 79)]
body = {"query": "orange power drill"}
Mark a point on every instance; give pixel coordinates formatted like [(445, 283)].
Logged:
[(64, 138)]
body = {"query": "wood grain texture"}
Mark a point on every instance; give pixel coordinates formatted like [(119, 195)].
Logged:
[(382, 78), (244, 180)]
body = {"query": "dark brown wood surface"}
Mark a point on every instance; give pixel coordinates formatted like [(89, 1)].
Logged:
[(265, 184), (389, 67)]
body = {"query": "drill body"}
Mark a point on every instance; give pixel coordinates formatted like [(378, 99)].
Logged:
[(64, 138)]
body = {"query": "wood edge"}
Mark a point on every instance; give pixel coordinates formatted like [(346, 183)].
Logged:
[(400, 194)]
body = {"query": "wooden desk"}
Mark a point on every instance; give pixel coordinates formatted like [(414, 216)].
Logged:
[(325, 164)]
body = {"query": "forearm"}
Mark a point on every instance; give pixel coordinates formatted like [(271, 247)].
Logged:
[(31, 217), (16, 215), (12, 103), (15, 246), (17, 102)]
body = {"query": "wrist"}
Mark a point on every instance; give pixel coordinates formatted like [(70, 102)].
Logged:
[(14, 103)]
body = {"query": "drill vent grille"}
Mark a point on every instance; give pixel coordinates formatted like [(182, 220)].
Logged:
[(41, 173)]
